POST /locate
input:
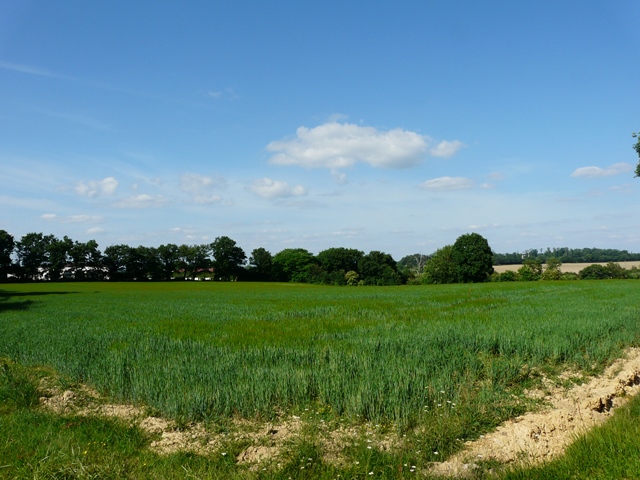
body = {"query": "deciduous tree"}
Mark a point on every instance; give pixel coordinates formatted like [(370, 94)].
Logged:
[(7, 245), (473, 257), (441, 268), (228, 258)]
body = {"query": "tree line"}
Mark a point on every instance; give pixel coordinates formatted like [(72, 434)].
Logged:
[(566, 255), (37, 256)]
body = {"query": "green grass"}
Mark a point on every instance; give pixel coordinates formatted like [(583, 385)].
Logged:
[(389, 355)]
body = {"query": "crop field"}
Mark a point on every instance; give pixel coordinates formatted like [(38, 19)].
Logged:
[(438, 364), (569, 267)]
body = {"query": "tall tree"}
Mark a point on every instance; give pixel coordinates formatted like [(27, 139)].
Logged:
[(87, 260), (58, 251), (228, 258), (193, 258), (261, 265), (33, 255), (291, 264), (169, 256), (379, 268), (336, 259), (7, 245), (473, 258), (441, 268), (115, 261)]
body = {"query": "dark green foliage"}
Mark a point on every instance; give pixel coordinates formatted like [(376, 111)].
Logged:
[(552, 269), (7, 245), (260, 265), (292, 265), (603, 272), (169, 259), (379, 268), (567, 255), (228, 258), (441, 268), (33, 254), (594, 272), (508, 276), (530, 271), (340, 259), (473, 258)]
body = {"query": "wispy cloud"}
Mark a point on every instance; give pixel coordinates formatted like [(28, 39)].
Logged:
[(228, 93), (448, 183), (272, 189), (336, 145), (597, 172), (446, 149), (94, 188), (141, 201), (31, 70), (195, 184), (52, 217)]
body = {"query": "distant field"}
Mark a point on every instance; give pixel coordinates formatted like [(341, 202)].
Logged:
[(567, 267), (442, 361)]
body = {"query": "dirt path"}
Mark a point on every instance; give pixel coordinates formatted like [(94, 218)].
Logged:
[(535, 437)]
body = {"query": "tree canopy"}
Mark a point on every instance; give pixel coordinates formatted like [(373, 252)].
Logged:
[(473, 257)]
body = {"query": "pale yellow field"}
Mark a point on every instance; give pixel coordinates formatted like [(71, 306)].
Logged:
[(566, 267)]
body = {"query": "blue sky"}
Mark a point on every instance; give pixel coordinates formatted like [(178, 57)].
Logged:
[(393, 126)]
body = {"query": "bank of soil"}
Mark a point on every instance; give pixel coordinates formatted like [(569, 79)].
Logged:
[(536, 437)]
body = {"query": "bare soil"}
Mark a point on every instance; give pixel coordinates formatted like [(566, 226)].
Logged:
[(535, 437)]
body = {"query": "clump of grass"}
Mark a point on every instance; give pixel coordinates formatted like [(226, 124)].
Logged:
[(18, 388)]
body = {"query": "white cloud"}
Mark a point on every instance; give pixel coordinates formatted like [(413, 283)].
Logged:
[(271, 189), (196, 183), (336, 145), (207, 200), (339, 177), (93, 188), (446, 149), (141, 201), (596, 172), (95, 230), (52, 217), (448, 183)]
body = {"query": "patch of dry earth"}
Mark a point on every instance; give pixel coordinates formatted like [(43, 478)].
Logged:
[(535, 437)]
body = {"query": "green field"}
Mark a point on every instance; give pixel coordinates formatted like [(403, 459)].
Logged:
[(386, 355)]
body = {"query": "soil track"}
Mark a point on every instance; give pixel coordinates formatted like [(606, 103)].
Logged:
[(535, 437)]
